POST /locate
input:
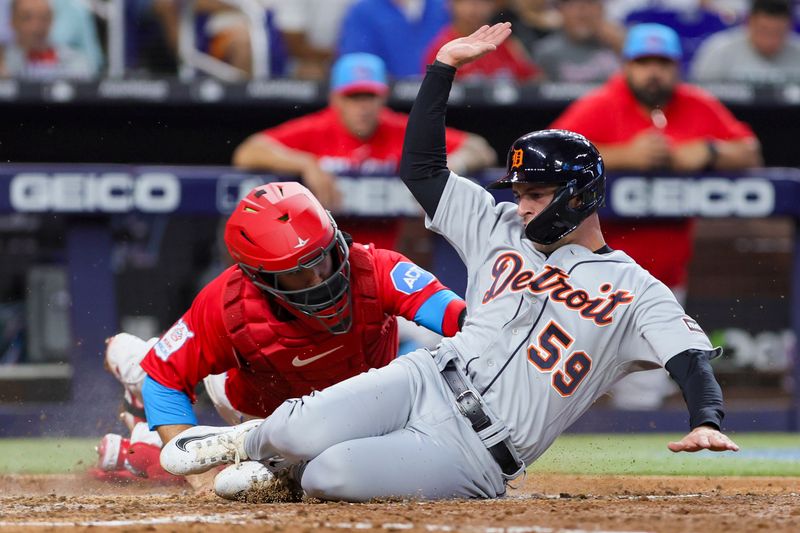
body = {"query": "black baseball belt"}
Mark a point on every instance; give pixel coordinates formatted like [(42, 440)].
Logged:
[(469, 404)]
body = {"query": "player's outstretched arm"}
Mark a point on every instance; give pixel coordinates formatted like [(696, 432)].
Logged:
[(692, 372), (482, 41), (423, 165), (704, 438)]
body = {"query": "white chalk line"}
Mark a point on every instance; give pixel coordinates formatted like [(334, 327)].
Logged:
[(225, 518), (475, 529), (248, 518)]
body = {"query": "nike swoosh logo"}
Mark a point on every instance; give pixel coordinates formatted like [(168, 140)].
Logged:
[(181, 443), (303, 362)]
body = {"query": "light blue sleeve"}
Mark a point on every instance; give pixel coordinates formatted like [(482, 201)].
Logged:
[(164, 406), (431, 313)]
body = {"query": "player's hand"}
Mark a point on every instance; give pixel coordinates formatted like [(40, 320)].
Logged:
[(691, 156), (649, 150), (704, 438), (323, 185), (482, 41)]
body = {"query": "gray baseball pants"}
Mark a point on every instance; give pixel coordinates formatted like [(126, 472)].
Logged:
[(389, 432)]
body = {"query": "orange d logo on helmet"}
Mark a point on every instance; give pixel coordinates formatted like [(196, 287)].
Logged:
[(516, 158)]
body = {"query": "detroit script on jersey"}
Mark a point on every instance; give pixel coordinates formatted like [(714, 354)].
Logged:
[(508, 274)]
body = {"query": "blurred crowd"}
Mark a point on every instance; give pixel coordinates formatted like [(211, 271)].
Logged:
[(554, 40)]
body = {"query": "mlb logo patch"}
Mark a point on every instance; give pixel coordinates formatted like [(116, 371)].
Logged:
[(408, 278), (172, 340), (692, 324)]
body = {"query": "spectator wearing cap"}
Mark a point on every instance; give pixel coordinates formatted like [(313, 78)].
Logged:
[(693, 20), (645, 120), (765, 49), (356, 135)]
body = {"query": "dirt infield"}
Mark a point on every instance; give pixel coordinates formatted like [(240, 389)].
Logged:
[(541, 504)]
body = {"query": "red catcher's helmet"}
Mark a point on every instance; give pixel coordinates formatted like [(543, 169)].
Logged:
[(280, 228)]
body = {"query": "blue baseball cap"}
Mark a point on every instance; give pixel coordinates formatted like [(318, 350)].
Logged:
[(652, 40), (359, 73)]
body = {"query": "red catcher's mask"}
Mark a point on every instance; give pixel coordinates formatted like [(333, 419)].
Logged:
[(281, 228)]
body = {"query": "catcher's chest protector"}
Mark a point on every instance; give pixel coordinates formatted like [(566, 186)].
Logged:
[(289, 359)]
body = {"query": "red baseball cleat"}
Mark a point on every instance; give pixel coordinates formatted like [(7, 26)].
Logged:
[(112, 452)]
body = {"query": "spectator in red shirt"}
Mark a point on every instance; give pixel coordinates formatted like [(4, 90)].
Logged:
[(356, 134), (644, 119), (510, 60)]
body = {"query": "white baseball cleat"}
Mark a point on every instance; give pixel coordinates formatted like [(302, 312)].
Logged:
[(201, 448), (237, 479)]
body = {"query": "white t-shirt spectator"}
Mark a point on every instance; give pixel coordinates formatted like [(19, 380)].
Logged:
[(320, 20)]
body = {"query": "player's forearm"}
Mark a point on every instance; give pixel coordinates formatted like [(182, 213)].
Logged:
[(693, 373), (260, 153), (443, 312), (423, 166)]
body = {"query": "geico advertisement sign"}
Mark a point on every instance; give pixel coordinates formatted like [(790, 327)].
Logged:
[(366, 196), (70, 192), (708, 197)]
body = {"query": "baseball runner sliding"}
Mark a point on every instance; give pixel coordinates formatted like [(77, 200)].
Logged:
[(555, 318)]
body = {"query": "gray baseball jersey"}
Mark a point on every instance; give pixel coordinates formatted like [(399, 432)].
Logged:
[(547, 335)]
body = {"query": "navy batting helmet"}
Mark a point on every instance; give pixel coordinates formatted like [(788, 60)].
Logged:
[(563, 158)]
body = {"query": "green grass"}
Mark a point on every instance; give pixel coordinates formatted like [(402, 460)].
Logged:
[(46, 456), (763, 454)]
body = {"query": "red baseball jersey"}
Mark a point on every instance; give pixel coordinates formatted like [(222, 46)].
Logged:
[(199, 343), (340, 152), (611, 115)]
